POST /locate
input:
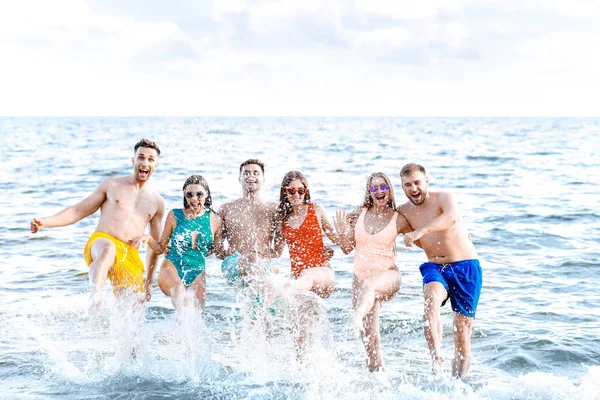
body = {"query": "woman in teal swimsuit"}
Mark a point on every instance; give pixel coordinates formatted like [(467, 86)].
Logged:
[(188, 236)]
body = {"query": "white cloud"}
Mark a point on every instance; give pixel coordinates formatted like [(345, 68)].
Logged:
[(409, 9), (292, 57)]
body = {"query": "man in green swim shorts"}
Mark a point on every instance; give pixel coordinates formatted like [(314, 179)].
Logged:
[(245, 241)]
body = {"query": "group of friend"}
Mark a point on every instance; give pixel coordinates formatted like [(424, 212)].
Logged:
[(248, 232)]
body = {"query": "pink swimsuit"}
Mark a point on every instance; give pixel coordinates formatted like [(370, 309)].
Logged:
[(374, 253)]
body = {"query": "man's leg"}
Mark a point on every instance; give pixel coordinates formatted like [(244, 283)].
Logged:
[(463, 327), (434, 295), (103, 258)]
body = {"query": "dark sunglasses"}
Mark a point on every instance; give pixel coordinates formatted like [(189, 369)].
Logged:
[(292, 191), (189, 195), (383, 187)]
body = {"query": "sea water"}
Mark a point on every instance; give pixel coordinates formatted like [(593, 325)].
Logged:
[(528, 190)]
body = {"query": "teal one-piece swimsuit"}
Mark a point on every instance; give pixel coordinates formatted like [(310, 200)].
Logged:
[(190, 262)]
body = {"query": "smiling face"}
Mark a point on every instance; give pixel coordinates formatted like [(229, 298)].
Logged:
[(251, 177), (195, 196), (296, 198), (144, 161), (416, 187), (379, 190)]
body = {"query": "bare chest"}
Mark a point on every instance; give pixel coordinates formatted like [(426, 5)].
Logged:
[(130, 202), (421, 217), (241, 218)]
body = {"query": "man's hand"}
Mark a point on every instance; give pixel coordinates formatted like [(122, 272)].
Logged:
[(36, 225), (411, 237)]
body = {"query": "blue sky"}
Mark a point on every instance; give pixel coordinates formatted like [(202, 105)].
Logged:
[(300, 57)]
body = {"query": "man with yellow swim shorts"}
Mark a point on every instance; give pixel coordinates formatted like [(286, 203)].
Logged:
[(127, 205)]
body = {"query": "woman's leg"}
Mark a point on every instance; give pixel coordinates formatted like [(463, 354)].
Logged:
[(367, 298), (319, 280), (170, 283), (381, 286), (198, 287)]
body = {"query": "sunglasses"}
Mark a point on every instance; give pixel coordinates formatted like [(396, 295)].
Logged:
[(189, 195), (292, 191), (383, 187)]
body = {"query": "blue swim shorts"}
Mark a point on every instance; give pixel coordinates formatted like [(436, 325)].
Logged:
[(462, 280)]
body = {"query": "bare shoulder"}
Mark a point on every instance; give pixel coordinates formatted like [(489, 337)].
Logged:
[(405, 208), (108, 183), (226, 209), (356, 212), (319, 210), (271, 207)]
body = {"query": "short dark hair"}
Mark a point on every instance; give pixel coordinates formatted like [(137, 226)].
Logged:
[(148, 144), (410, 168), (253, 161)]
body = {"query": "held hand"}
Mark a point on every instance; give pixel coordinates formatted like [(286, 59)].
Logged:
[(140, 241), (328, 252), (340, 221), (36, 225), (412, 237)]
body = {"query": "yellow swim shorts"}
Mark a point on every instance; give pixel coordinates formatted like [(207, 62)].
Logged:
[(128, 269)]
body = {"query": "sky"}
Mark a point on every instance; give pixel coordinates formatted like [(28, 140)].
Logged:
[(300, 58)]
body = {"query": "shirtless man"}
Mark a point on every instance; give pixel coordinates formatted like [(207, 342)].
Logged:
[(453, 270), (248, 227), (126, 206)]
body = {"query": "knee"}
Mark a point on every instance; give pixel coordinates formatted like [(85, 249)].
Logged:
[(432, 304)]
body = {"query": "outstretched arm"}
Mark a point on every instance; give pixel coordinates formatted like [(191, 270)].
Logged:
[(445, 220), (75, 213)]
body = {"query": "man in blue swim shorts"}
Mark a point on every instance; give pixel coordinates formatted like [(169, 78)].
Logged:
[(453, 271)]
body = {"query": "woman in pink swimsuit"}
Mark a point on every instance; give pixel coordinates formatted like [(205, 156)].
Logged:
[(371, 230)]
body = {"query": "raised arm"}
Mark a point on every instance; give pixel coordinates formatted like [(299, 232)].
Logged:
[(75, 213), (326, 225), (445, 220), (151, 255), (344, 225)]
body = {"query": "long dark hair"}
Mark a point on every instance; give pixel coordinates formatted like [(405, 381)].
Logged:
[(285, 208), (198, 180), (368, 201)]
